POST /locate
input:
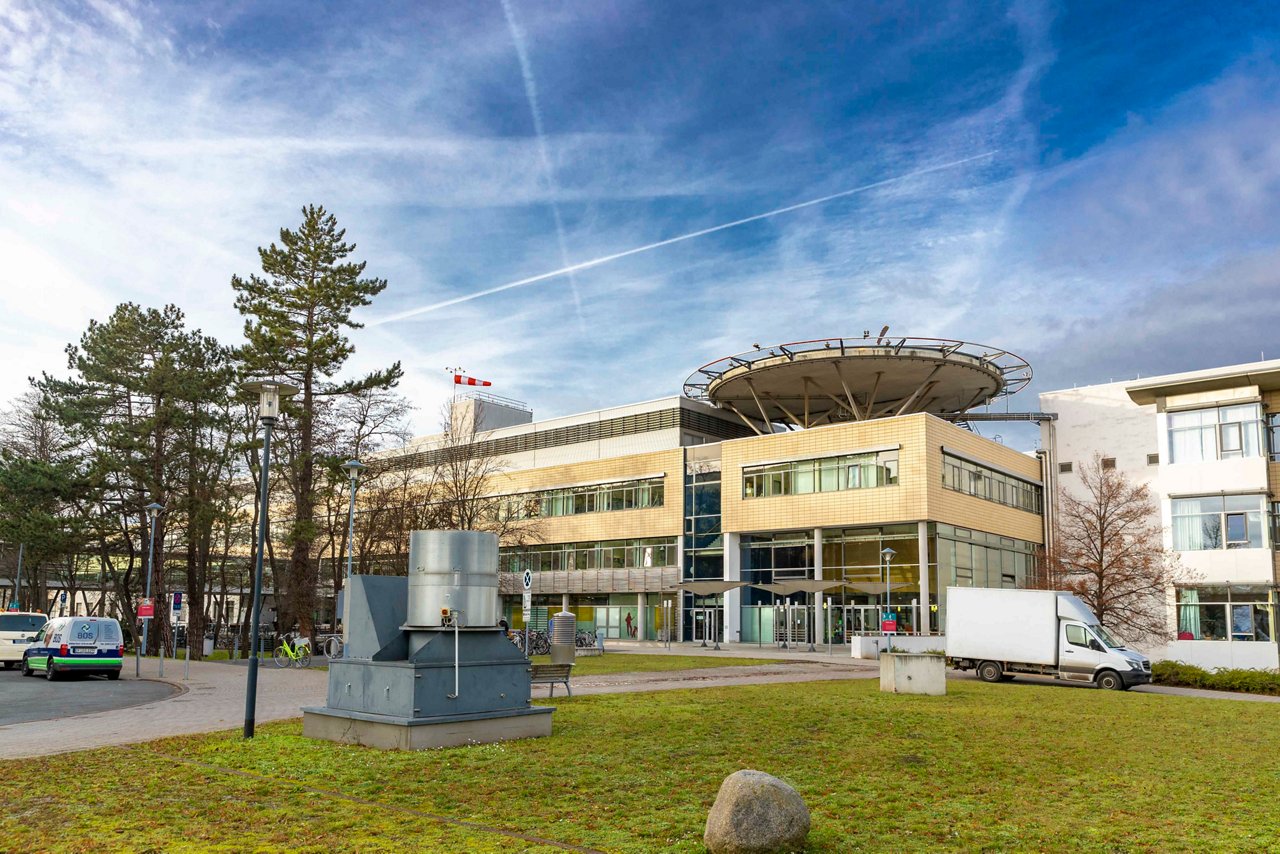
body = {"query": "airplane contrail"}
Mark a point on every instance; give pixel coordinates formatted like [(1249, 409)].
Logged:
[(605, 259), (535, 110)]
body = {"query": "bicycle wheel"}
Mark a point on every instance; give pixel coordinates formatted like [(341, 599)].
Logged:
[(333, 648), (281, 657), (304, 658)]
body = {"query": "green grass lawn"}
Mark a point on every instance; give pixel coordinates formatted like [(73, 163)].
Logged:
[(988, 767), (597, 665)]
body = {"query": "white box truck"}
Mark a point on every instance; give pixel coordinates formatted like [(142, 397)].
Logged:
[(1000, 632)]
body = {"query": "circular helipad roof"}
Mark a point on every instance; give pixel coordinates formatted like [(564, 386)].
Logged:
[(810, 383)]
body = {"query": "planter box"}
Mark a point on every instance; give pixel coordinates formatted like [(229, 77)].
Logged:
[(913, 673)]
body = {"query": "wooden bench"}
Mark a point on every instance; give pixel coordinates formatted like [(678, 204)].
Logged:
[(550, 675)]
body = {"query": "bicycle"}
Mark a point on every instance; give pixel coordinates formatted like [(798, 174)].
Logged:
[(332, 647), (584, 639), (297, 654), (539, 643)]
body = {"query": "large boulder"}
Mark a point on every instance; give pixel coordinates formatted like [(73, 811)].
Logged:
[(756, 813)]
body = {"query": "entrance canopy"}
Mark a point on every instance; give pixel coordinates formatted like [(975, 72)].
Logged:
[(798, 585), (872, 588), (708, 588)]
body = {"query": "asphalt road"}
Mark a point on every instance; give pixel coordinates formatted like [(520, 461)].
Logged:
[(34, 698)]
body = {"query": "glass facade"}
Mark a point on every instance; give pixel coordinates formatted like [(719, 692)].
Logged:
[(605, 554), (1218, 522), (825, 474), (703, 540), (968, 558), (1238, 612), (983, 482), (574, 500), (1219, 433)]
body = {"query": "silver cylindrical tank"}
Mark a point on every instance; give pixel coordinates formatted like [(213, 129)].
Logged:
[(453, 571)]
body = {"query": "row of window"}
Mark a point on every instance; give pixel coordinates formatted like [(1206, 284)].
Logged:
[(1235, 612), (1218, 522), (827, 474), (607, 554), (1218, 433), (982, 482), (571, 501)]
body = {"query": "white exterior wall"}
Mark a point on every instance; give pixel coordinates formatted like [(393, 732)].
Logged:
[(1103, 419)]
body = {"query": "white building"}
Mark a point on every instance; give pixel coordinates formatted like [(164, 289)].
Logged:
[(1208, 444)]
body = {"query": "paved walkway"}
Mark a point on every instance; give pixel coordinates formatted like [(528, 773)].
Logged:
[(716, 677), (212, 699)]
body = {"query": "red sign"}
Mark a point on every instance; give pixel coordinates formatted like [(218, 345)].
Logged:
[(146, 608), (888, 625)]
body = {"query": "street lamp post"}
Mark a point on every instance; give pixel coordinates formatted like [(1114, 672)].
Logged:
[(153, 509), (886, 554), (353, 468), (269, 393)]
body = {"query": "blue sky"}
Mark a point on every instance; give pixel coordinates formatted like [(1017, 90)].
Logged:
[(1123, 220)]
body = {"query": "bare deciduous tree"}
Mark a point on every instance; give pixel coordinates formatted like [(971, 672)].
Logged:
[(1108, 550)]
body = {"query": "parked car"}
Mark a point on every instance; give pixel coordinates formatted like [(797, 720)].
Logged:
[(16, 630), (76, 645), (1000, 632)]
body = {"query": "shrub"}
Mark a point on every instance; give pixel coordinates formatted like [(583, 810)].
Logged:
[(1221, 679)]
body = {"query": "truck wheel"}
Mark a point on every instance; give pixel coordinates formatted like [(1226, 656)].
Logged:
[(990, 671), (1110, 680), (49, 672)]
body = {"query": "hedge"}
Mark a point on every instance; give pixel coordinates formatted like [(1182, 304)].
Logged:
[(1221, 679)]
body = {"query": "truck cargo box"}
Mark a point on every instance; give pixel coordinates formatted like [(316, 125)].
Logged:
[(1002, 625)]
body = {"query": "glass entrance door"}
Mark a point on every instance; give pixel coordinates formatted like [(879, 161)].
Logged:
[(706, 625)]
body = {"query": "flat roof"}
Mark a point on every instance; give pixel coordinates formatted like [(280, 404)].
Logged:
[(1265, 375)]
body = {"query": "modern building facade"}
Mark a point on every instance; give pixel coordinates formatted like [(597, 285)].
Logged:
[(1207, 443), (783, 497)]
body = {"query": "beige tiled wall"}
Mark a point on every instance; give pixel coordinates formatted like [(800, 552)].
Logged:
[(919, 494), (665, 521)]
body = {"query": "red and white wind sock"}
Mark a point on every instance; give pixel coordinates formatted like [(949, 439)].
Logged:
[(462, 379)]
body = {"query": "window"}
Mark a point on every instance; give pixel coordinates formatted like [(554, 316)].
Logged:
[(826, 474), (1077, 636), (1108, 462), (1217, 522), (1273, 436), (1238, 612), (1153, 459), (983, 482), (1065, 468), (608, 554), (1221, 433), (572, 501)]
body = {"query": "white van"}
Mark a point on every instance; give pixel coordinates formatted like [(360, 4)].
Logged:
[(76, 645), (16, 630)]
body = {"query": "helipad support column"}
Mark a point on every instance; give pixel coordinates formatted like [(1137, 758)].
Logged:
[(922, 541), (732, 598), (819, 626), (642, 616)]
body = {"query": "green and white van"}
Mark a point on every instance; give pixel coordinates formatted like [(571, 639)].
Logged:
[(76, 645), (16, 630)]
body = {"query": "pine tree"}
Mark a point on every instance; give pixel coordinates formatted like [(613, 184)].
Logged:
[(298, 313)]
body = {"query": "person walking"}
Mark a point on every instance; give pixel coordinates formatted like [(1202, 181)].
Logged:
[(631, 632)]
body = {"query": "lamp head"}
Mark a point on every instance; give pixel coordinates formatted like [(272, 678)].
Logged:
[(353, 468), (153, 510), (887, 553), (269, 394)]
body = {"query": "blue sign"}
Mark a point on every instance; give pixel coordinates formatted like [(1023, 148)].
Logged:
[(177, 602), (63, 597)]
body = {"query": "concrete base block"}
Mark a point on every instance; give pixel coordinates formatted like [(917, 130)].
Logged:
[(388, 733), (911, 673)]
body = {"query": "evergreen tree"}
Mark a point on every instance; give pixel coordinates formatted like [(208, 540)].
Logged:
[(298, 313)]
